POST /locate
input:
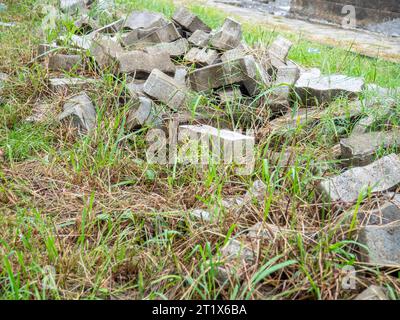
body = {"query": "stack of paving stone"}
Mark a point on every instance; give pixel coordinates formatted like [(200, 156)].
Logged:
[(168, 62)]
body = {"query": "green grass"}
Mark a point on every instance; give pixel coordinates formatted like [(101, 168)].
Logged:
[(88, 218)]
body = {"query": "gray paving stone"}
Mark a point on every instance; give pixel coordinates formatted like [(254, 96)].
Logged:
[(135, 87), (167, 33), (142, 63), (226, 146), (279, 50), (361, 149), (199, 38), (105, 51), (383, 243), (293, 119), (230, 95), (81, 109), (41, 111), (144, 112), (285, 79), (228, 37), (239, 52), (243, 70), (175, 49), (189, 21), (181, 77), (144, 20), (166, 90), (324, 89), (202, 57), (238, 257), (58, 85), (65, 62), (381, 175)]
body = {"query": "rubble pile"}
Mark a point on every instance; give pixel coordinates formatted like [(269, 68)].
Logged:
[(166, 63)]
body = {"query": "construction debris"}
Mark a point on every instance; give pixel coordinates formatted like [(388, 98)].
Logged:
[(379, 176), (312, 89), (189, 21), (166, 90), (361, 149), (81, 109), (228, 37)]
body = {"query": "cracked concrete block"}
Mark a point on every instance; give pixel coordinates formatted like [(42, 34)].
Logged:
[(167, 33), (65, 62), (142, 63), (143, 112), (243, 70), (237, 53), (57, 85), (383, 243), (285, 79), (81, 109), (324, 89), (361, 149), (381, 175), (199, 38), (201, 57), (189, 21), (175, 49), (373, 292), (144, 20), (256, 77), (228, 37), (166, 90), (105, 50), (135, 87), (279, 50)]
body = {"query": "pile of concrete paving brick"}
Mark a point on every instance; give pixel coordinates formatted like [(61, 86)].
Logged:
[(168, 62)]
